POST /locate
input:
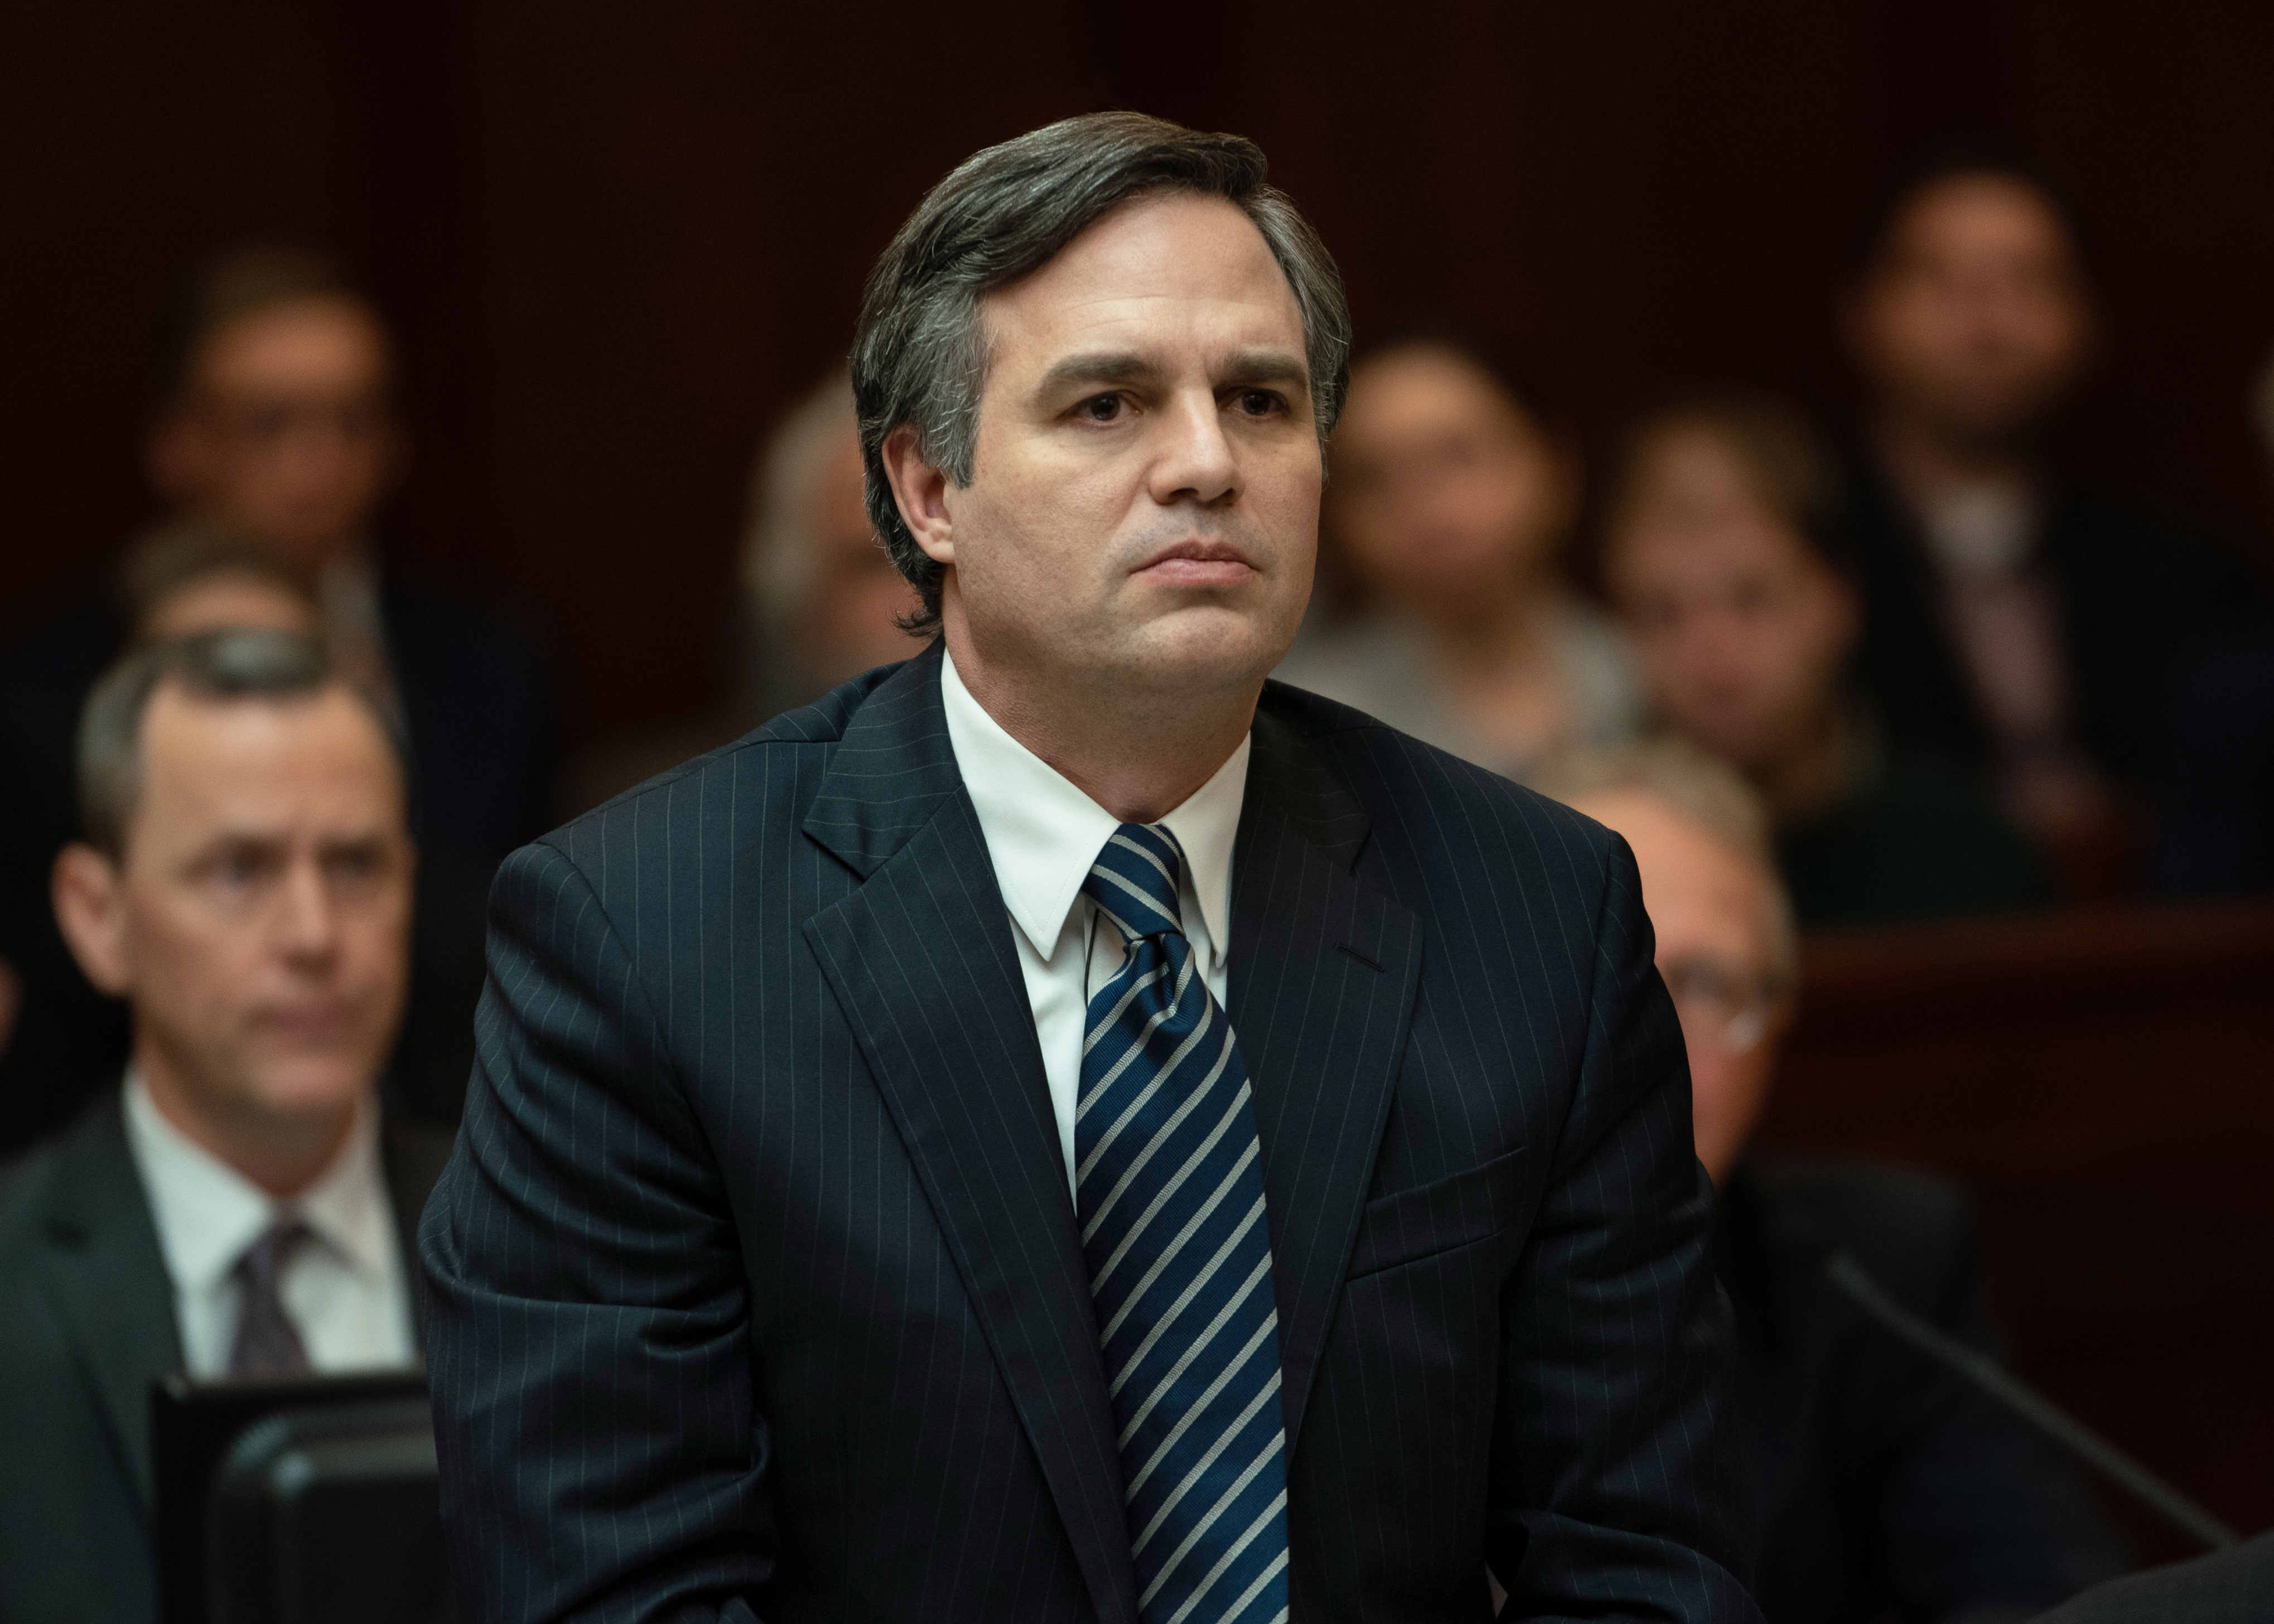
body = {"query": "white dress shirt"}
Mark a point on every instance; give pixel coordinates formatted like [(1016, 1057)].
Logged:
[(345, 1291), (1043, 833)]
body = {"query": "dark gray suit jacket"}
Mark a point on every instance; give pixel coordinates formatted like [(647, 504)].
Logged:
[(86, 1323), (755, 1285), (2234, 1586)]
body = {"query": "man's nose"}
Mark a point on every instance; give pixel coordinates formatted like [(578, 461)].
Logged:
[(1197, 463), (306, 921)]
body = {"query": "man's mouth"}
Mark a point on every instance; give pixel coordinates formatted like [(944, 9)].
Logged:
[(317, 1024), (1198, 563)]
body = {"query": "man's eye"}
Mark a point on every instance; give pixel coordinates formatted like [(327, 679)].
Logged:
[(357, 863), (241, 868), (1260, 402), (1101, 408)]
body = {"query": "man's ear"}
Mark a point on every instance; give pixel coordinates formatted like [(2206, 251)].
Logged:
[(91, 911), (920, 492)]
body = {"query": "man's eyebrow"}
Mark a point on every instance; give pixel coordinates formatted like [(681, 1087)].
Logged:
[(1107, 367), (1254, 366), (1100, 367)]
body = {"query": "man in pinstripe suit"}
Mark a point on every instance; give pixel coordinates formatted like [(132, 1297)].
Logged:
[(1062, 1128)]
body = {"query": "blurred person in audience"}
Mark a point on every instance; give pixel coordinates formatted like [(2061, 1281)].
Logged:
[(2016, 614), (237, 1206), (186, 577), (1445, 518), (824, 598), (275, 423), (1887, 1488), (823, 601), (1720, 551)]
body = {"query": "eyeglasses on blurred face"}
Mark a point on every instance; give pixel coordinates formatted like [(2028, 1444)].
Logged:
[(1721, 1003)]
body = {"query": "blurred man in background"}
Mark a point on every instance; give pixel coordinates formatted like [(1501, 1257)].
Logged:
[(238, 1208), (2014, 615), (1444, 608), (824, 595), (1887, 1488), (276, 424), (1719, 552), (822, 600)]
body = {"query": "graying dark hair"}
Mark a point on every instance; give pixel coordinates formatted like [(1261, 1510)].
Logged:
[(920, 352), (243, 663)]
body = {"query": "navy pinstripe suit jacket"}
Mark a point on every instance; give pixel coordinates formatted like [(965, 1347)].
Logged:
[(757, 1291)]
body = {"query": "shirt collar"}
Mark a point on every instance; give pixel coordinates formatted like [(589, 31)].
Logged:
[(1044, 833), (207, 1212)]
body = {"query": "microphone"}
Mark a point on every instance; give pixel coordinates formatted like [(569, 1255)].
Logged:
[(1855, 1282)]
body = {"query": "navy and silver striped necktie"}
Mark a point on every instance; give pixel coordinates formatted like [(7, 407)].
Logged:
[(1169, 1187)]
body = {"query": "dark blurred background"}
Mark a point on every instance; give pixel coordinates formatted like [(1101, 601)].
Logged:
[(615, 243)]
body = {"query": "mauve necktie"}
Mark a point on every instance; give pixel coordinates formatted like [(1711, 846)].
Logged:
[(267, 1343), (1169, 1190)]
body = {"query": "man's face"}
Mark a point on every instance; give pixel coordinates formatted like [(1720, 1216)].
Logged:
[(1709, 911), (1740, 628), (1144, 508), (282, 432), (1975, 321), (257, 927), (1444, 491)]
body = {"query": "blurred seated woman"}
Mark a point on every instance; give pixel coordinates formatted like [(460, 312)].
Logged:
[(1885, 1488), (1720, 556), (1443, 609)]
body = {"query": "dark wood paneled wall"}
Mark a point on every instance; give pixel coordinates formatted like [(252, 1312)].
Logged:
[(617, 240), (2103, 1085)]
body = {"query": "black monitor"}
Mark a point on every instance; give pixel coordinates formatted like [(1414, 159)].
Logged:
[(305, 1500)]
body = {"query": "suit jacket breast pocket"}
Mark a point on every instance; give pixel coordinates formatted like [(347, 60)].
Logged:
[(1411, 1224)]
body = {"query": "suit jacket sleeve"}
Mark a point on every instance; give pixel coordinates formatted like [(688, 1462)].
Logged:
[(1618, 1478), (601, 1450)]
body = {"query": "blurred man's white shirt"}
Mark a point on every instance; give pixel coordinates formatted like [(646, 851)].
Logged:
[(346, 1291)]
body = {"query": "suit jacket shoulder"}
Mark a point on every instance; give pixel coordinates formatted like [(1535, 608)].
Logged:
[(1418, 799), (90, 1321)]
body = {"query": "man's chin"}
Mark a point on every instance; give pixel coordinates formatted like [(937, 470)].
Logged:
[(315, 1088), (1205, 646)]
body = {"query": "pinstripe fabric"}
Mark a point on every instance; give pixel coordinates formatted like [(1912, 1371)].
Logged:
[(1170, 1194), (756, 1291)]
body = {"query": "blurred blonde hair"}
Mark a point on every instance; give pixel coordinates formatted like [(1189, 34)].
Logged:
[(1707, 793)]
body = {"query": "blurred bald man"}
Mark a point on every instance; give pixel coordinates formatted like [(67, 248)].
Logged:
[(2015, 615), (1887, 1489)]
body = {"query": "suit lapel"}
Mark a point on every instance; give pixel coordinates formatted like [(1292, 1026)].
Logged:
[(107, 1278), (923, 963), (1323, 975)]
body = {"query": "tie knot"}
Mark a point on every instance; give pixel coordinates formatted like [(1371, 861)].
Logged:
[(1134, 882), (262, 1263)]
